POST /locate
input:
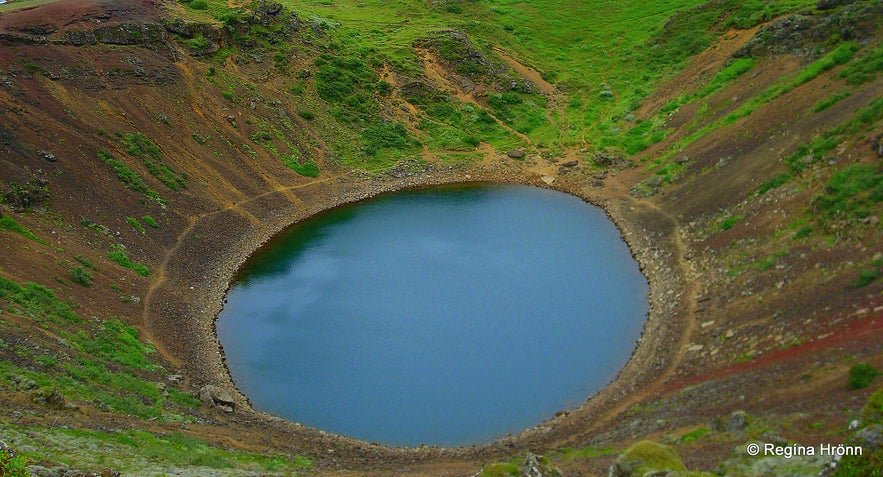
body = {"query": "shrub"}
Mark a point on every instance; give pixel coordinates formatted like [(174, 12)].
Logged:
[(199, 5), (82, 276), (861, 375), (308, 115)]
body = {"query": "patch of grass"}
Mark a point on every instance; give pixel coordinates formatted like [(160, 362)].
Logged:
[(865, 68), (86, 263), (828, 102), (733, 70), (150, 221), (133, 450), (129, 178), (117, 342), (774, 183), (586, 452), (851, 190), (730, 222), (37, 302), (8, 223), (869, 275), (81, 276), (306, 169), (132, 221), (120, 258), (695, 435), (501, 469), (139, 145)]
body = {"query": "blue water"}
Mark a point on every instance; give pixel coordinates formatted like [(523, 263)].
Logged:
[(447, 316)]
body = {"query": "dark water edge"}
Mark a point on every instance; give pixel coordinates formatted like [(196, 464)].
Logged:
[(449, 315)]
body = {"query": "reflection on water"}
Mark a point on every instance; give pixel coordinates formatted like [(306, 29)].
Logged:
[(446, 316)]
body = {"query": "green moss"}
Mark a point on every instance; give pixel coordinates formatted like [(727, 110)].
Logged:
[(646, 457), (500, 469)]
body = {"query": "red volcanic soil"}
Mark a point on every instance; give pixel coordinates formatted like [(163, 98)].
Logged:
[(56, 17)]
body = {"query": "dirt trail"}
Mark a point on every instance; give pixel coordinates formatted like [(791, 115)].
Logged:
[(434, 71), (161, 273)]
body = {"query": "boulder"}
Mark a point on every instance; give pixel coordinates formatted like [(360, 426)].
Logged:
[(871, 437), (573, 163), (539, 466), (515, 153), (218, 397)]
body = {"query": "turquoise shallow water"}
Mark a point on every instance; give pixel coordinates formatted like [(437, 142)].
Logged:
[(447, 316)]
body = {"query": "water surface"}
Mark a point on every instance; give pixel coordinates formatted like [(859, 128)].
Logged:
[(447, 316)]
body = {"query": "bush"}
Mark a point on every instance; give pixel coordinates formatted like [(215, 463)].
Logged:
[(861, 375), (82, 276), (308, 115), (199, 5)]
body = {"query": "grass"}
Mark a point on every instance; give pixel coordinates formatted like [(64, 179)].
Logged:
[(129, 177), (37, 302), (116, 342), (135, 224), (8, 223), (852, 191), (306, 169), (120, 258), (130, 451), (81, 276), (150, 221), (139, 145)]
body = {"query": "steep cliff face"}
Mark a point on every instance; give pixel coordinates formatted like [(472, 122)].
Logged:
[(149, 147)]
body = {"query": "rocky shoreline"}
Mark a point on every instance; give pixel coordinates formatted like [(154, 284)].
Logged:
[(184, 302)]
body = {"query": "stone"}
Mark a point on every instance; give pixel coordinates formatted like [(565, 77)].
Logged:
[(877, 145), (570, 163), (653, 181), (737, 422), (871, 437), (46, 155), (539, 466), (548, 180), (515, 153), (218, 397)]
